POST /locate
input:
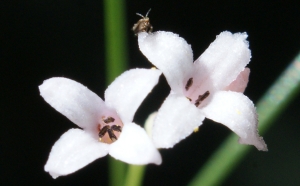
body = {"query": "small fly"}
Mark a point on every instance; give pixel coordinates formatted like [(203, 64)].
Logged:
[(143, 25)]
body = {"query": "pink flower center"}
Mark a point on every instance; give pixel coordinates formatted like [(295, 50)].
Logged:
[(110, 128), (200, 98)]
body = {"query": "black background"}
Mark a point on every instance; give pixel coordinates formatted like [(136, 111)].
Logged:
[(43, 39)]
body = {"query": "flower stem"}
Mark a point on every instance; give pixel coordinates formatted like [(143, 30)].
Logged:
[(116, 63), (282, 92), (135, 175), (269, 107), (115, 38)]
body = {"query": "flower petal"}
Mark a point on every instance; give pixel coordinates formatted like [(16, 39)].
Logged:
[(135, 147), (128, 91), (176, 119), (74, 150), (240, 84), (149, 123), (222, 62), (237, 112), (72, 99), (169, 53)]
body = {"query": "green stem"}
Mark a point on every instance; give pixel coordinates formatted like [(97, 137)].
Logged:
[(135, 175), (115, 38), (117, 170), (116, 63), (230, 153), (283, 91)]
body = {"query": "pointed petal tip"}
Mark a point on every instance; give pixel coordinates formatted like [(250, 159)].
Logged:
[(53, 175), (258, 142), (158, 160), (237, 112)]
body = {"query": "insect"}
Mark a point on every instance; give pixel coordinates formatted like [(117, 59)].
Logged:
[(143, 25)]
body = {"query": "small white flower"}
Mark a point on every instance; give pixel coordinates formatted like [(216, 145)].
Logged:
[(210, 87), (107, 126)]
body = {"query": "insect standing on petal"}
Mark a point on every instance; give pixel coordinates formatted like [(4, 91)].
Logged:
[(143, 25), (199, 88)]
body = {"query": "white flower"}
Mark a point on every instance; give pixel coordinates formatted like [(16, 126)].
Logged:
[(107, 126), (210, 87)]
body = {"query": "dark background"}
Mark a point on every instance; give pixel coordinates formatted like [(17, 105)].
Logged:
[(43, 39)]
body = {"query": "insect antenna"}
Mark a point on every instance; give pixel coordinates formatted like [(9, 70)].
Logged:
[(142, 15), (148, 12)]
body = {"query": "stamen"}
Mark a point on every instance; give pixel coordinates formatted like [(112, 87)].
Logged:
[(189, 83), (102, 132), (110, 129), (111, 134), (116, 128), (189, 99), (201, 98), (109, 120)]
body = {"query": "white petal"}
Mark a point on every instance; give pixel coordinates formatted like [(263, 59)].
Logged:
[(221, 63), (72, 99), (74, 150), (169, 53), (128, 91), (240, 83), (176, 119), (149, 123), (134, 147), (237, 112)]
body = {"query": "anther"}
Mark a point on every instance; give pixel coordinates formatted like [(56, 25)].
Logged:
[(189, 83), (103, 131), (116, 128), (109, 120), (111, 135), (201, 98)]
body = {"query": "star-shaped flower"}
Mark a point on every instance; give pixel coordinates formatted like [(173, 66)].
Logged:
[(107, 127), (210, 87)]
